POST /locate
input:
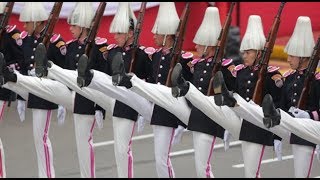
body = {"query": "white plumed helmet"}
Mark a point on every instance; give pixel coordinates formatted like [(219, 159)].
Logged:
[(209, 30), (167, 20), (82, 14), (301, 43), (33, 12), (123, 19), (2, 6), (254, 37)]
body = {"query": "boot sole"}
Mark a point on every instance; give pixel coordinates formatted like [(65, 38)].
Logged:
[(2, 64), (82, 66), (40, 55), (117, 69), (175, 74)]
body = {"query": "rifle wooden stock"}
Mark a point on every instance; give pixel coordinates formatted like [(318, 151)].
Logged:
[(52, 21), (311, 70), (137, 31), (179, 38), (94, 28), (5, 18), (219, 52), (265, 57)]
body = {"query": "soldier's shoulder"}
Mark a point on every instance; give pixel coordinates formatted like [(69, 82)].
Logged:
[(55, 37), (111, 46), (70, 41), (273, 69), (288, 73), (227, 62), (11, 28), (317, 76), (101, 41), (186, 55), (150, 50), (23, 34)]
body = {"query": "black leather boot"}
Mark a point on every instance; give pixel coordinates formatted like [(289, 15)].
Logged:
[(41, 60), (84, 74), (180, 86), (222, 95), (6, 74), (271, 114), (119, 76)]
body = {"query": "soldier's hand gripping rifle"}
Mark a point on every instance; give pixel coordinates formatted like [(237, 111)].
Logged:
[(309, 76), (137, 31), (52, 21), (265, 57), (95, 23), (219, 52), (5, 18), (178, 42)]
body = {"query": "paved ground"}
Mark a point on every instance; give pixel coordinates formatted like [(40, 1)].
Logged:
[(21, 158)]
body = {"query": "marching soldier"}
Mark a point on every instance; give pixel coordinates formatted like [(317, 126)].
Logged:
[(299, 50), (10, 49), (252, 145), (34, 16)]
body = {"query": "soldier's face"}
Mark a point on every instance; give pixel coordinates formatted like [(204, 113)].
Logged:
[(249, 56), (75, 31), (294, 61), (158, 39), (120, 38), (29, 27)]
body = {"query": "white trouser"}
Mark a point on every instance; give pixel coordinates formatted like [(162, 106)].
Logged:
[(2, 158), (203, 145), (302, 158), (123, 130), (84, 125), (16, 88), (163, 137), (307, 129), (252, 154), (161, 95), (69, 78), (102, 82), (2, 162), (41, 126), (48, 89)]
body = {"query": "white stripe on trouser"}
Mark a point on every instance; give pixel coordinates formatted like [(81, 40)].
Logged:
[(162, 96), (302, 158), (84, 125), (2, 162), (203, 145), (252, 154), (48, 89), (253, 113), (102, 82), (222, 115), (41, 127), (305, 128), (162, 146), (123, 130), (69, 78)]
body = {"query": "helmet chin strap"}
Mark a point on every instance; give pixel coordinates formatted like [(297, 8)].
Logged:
[(300, 63), (204, 52), (164, 40)]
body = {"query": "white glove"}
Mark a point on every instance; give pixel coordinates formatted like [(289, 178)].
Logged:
[(298, 113), (178, 132), (141, 122), (318, 152), (99, 119), (226, 139), (278, 148), (32, 72), (61, 114), (21, 107)]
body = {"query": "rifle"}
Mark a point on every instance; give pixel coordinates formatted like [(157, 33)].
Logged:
[(3, 24), (219, 52), (264, 61), (5, 17), (94, 28), (137, 30), (52, 20), (178, 42), (312, 67)]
